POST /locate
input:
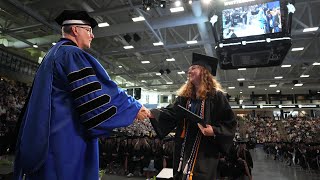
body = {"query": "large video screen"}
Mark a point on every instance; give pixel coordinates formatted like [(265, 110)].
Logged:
[(251, 20)]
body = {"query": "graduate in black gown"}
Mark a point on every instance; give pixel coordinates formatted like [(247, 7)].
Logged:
[(197, 148)]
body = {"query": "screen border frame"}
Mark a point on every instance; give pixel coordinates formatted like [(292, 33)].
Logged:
[(285, 20)]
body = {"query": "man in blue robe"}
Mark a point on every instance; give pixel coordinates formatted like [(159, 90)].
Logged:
[(72, 102)]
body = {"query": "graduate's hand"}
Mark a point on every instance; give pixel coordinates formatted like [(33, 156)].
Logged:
[(151, 115), (206, 131), (143, 113)]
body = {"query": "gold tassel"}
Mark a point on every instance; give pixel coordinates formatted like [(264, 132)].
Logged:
[(183, 133), (190, 177), (180, 165)]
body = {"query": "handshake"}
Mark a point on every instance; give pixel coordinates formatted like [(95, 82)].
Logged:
[(144, 113)]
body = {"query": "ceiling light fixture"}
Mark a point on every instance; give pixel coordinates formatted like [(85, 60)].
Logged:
[(305, 76), (285, 66), (104, 24), (128, 47), (310, 29), (298, 85), (137, 19), (297, 49), (176, 9), (177, 3), (192, 42), (170, 59), (278, 77), (158, 43)]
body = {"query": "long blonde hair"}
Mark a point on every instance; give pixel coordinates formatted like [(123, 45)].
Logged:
[(208, 85)]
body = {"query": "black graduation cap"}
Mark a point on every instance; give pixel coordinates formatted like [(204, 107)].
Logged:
[(75, 17), (208, 62)]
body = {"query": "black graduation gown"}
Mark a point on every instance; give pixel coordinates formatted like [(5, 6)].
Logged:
[(218, 113)]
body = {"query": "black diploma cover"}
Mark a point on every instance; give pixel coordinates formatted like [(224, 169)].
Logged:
[(191, 116)]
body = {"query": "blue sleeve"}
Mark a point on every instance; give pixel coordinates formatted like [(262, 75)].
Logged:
[(101, 105)]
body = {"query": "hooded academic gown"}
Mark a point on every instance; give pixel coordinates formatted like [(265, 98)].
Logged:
[(73, 101), (218, 113)]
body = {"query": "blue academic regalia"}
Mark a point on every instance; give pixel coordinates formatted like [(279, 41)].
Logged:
[(73, 101)]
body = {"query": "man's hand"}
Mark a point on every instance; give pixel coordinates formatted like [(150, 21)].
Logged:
[(206, 131), (143, 113)]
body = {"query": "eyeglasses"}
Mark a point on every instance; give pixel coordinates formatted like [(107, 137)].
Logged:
[(88, 29)]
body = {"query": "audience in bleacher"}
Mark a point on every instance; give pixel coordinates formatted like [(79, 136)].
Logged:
[(294, 140), (295, 129), (135, 155), (12, 97), (302, 129)]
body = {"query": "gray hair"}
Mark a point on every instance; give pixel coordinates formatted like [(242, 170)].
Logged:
[(66, 29)]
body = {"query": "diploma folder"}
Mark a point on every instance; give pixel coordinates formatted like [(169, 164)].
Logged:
[(191, 116), (165, 173)]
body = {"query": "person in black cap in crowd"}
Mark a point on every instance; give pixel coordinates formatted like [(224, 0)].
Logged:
[(197, 146), (234, 165), (72, 102), (243, 159)]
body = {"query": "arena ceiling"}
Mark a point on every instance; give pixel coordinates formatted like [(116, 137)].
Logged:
[(24, 23)]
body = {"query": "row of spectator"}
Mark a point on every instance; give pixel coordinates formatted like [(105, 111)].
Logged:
[(12, 99), (135, 155), (265, 130)]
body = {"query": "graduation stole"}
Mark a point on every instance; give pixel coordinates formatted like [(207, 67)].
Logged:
[(189, 167)]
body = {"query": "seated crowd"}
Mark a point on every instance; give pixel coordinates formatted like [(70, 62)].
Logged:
[(12, 97), (135, 155), (294, 140)]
